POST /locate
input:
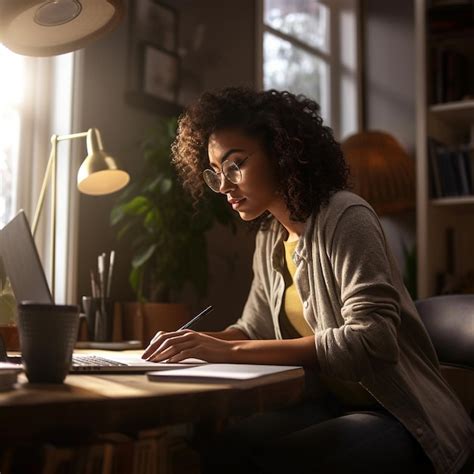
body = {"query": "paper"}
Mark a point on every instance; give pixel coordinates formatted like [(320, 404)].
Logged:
[(8, 375), (209, 373), (9, 367)]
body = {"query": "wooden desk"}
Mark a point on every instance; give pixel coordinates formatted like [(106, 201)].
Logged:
[(91, 404)]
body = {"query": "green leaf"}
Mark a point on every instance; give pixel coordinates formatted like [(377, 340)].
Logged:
[(116, 215), (124, 230), (8, 309), (152, 219), (153, 186), (134, 278), (166, 185), (142, 257), (137, 206)]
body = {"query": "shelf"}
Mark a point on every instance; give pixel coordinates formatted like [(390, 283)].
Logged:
[(458, 113), (453, 201), (444, 226), (460, 41), (462, 34)]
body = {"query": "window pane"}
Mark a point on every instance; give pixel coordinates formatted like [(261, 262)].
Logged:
[(12, 77), (286, 67), (11, 96), (9, 138), (306, 20)]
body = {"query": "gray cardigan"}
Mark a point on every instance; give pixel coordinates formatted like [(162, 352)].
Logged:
[(366, 326)]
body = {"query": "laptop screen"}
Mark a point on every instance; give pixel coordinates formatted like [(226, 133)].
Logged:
[(22, 263)]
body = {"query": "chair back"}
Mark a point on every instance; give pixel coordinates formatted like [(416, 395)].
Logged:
[(449, 320)]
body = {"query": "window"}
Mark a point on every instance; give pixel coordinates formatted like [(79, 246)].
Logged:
[(310, 47), (12, 88), (36, 97)]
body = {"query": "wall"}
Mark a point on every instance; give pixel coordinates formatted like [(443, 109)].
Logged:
[(390, 92), (226, 57), (389, 69)]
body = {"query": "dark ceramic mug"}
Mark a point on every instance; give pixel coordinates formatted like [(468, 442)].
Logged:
[(48, 333)]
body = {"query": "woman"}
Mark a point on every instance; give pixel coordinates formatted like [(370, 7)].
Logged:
[(326, 294)]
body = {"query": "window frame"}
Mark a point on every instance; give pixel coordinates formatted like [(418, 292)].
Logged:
[(340, 98), (47, 108)]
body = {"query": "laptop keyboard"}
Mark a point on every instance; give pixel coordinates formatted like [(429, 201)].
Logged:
[(95, 361)]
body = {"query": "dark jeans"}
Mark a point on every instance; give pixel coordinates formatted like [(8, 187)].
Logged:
[(316, 437)]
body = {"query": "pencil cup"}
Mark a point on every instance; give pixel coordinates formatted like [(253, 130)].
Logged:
[(89, 306), (48, 334), (104, 319)]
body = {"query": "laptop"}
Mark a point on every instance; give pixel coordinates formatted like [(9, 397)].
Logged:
[(23, 267)]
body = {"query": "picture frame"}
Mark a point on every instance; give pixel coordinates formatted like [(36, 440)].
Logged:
[(153, 66), (156, 23), (160, 73)]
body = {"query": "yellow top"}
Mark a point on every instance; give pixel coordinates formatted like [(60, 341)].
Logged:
[(292, 302), (350, 393)]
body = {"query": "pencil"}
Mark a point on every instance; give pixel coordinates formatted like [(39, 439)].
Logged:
[(93, 285), (109, 274), (197, 318)]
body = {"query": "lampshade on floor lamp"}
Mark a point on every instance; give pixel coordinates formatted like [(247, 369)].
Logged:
[(50, 27), (99, 174), (381, 171)]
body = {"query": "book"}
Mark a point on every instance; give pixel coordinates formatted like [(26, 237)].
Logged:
[(449, 182), (238, 375), (58, 459), (9, 375), (461, 171), (468, 156), (450, 75), (436, 189)]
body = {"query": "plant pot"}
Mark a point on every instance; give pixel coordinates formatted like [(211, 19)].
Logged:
[(10, 337), (141, 321)]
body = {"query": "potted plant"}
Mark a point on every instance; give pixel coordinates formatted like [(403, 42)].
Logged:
[(167, 232), (8, 312)]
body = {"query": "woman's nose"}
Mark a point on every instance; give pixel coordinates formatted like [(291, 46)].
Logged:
[(225, 184)]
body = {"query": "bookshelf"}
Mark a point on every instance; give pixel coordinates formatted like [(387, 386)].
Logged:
[(459, 113), (450, 201), (125, 424), (444, 74)]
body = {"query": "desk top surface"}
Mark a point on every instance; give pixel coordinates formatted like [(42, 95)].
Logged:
[(105, 403)]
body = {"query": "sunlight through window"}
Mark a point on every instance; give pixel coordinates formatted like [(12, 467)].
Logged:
[(12, 90)]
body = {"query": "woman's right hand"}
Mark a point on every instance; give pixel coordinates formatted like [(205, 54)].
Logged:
[(184, 344)]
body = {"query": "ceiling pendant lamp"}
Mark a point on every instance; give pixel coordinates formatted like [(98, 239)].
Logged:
[(47, 28)]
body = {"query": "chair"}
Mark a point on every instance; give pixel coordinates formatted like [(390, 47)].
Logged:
[(449, 320)]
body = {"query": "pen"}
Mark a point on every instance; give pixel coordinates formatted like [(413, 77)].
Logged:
[(111, 269), (100, 264), (93, 285), (197, 318), (185, 326)]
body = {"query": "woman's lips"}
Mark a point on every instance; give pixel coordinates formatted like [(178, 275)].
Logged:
[(235, 202)]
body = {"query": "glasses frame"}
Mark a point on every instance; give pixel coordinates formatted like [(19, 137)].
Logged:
[(223, 172)]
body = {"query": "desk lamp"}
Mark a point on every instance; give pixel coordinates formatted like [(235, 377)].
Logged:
[(50, 27), (98, 175)]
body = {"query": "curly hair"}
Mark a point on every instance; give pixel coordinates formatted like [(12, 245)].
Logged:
[(309, 163)]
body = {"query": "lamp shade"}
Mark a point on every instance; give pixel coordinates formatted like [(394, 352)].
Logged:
[(99, 173), (46, 28), (381, 171)]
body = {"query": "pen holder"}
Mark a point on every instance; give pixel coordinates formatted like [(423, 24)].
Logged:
[(100, 318), (104, 319)]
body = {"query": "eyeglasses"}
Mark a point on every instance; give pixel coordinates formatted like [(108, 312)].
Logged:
[(231, 171)]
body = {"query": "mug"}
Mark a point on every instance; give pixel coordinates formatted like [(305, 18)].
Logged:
[(48, 333)]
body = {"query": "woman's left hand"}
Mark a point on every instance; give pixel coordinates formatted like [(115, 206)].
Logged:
[(179, 345)]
